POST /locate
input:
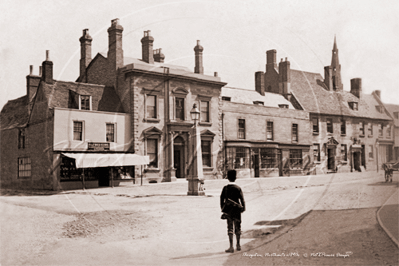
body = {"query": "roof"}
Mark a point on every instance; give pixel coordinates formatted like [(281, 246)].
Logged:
[(65, 95), (14, 113), (311, 93), (392, 108), (250, 96)]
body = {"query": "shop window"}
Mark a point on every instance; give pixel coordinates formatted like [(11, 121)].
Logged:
[(268, 158), (316, 152), (294, 133), (24, 167), (296, 159), (152, 152), (343, 127), (85, 102), (315, 122), (206, 153), (77, 130), (110, 135), (371, 153), (204, 105), (344, 152), (69, 172), (269, 133), (21, 138), (241, 128), (179, 109), (330, 125), (151, 106), (242, 158)]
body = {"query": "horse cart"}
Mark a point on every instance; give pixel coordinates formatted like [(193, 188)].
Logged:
[(389, 167)]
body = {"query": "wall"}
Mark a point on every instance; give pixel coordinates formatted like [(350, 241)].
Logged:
[(94, 124)]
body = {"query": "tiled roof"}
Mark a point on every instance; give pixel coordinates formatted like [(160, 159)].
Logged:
[(14, 113), (250, 96), (63, 93), (392, 108), (311, 93)]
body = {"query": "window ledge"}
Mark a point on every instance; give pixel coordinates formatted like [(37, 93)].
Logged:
[(344, 134), (315, 133), (207, 169), (152, 170), (370, 136), (207, 124), (151, 120), (361, 136)]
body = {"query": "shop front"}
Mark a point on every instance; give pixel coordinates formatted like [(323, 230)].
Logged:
[(91, 170)]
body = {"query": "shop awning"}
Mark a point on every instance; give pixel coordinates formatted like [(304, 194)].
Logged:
[(93, 160)]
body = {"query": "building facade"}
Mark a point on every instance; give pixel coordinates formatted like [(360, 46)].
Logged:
[(351, 130)]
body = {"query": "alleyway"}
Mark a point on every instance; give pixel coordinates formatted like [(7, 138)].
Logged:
[(157, 224)]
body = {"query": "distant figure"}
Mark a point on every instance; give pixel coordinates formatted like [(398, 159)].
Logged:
[(232, 204)]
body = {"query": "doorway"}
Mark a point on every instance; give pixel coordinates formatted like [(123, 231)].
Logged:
[(255, 161), (356, 161), (102, 174), (331, 159), (178, 157)]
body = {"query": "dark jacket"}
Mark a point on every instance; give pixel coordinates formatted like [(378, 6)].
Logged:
[(233, 192)]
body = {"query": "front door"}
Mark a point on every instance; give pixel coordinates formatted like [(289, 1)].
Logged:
[(102, 174), (178, 157), (331, 158), (255, 158)]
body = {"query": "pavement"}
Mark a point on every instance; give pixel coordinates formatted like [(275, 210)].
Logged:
[(388, 215)]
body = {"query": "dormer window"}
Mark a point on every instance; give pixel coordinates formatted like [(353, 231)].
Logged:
[(396, 115), (379, 108), (284, 106), (227, 99), (259, 103), (353, 106), (84, 102)]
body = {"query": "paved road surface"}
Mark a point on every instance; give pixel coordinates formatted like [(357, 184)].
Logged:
[(158, 224)]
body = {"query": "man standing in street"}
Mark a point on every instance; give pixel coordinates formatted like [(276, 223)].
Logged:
[(232, 204)]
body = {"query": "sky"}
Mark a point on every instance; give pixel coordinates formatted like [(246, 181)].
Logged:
[(235, 35)]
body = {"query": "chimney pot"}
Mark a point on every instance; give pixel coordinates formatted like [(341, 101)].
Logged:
[(47, 55), (216, 74), (378, 93), (40, 70), (286, 59), (30, 70)]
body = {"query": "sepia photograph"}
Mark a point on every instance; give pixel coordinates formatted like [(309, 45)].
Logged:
[(197, 132)]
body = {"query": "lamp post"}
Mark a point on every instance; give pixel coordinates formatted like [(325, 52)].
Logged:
[(195, 176)]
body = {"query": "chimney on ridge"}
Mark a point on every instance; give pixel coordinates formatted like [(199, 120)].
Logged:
[(284, 77), (356, 87), (115, 52), (32, 83), (47, 68), (260, 82), (159, 56), (85, 51), (146, 44), (199, 67)]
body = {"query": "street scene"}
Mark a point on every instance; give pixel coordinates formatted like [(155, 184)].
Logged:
[(334, 219), (192, 132)]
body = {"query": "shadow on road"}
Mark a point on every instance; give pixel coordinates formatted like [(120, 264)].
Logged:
[(386, 184), (26, 193)]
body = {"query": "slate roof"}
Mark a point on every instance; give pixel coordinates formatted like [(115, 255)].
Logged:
[(312, 94), (61, 94), (65, 94), (249, 96), (14, 113), (391, 109)]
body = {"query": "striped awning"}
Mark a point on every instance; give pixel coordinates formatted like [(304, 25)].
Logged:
[(93, 160)]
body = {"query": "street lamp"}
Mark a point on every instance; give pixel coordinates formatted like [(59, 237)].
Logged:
[(196, 173)]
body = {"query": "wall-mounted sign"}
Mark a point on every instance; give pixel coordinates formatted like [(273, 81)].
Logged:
[(98, 146)]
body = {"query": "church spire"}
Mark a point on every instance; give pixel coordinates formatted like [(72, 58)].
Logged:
[(336, 68)]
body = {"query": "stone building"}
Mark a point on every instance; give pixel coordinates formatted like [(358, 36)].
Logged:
[(393, 109), (351, 130), (158, 97), (264, 135)]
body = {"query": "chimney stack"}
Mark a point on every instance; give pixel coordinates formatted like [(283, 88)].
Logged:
[(284, 77), (159, 56), (356, 87), (271, 60), (199, 67), (146, 44), (260, 82), (47, 67), (85, 51), (115, 52), (328, 79), (32, 83)]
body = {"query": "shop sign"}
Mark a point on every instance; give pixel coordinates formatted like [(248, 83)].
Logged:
[(98, 146)]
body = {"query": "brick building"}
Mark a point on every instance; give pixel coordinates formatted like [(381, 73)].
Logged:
[(54, 121), (351, 130), (264, 135)]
